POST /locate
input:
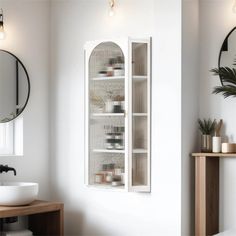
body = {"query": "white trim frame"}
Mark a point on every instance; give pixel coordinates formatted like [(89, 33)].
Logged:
[(126, 45), (7, 138)]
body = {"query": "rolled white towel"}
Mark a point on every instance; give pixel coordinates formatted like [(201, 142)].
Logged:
[(25, 232)]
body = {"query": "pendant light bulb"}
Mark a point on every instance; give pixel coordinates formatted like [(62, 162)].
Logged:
[(2, 31), (111, 12), (112, 8), (234, 7)]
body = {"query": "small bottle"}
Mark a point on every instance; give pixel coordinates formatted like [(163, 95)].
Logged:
[(216, 144)]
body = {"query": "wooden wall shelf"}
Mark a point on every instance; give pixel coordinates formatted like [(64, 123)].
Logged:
[(45, 218), (214, 154), (207, 192)]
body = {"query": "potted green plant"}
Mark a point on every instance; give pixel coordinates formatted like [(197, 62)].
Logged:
[(206, 128), (228, 78)]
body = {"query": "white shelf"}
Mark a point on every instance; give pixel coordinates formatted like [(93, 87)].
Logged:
[(107, 114), (140, 150), (108, 151), (109, 78), (139, 114), (139, 77), (107, 186), (140, 188)]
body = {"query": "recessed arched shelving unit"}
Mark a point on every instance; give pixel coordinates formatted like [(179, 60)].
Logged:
[(117, 78)]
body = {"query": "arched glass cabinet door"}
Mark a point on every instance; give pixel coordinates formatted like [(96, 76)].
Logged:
[(106, 127)]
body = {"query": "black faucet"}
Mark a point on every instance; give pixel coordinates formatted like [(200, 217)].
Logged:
[(6, 169)]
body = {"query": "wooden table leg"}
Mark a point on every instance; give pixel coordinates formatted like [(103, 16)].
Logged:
[(206, 196)]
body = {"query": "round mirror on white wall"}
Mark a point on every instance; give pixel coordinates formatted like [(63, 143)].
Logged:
[(14, 86), (227, 56)]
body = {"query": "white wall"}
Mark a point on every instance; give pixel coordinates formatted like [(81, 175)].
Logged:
[(216, 20), (27, 28), (100, 212), (190, 90)]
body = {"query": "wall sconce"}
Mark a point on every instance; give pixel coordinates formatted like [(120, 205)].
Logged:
[(234, 7), (2, 31), (112, 6)]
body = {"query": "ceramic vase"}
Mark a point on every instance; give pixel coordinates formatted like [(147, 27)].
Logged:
[(206, 143)]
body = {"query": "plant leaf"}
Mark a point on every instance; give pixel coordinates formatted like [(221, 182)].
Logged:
[(228, 78), (227, 75), (226, 90), (206, 126)]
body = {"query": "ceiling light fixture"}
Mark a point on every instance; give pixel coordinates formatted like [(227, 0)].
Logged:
[(2, 31), (112, 6)]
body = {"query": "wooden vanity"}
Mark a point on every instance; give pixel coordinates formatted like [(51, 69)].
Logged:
[(207, 192), (44, 218)]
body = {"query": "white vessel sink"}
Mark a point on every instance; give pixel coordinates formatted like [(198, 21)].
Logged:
[(17, 193)]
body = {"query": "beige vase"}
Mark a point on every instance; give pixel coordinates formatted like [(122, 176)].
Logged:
[(206, 143)]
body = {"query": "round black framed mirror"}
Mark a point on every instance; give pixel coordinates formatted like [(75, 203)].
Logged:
[(14, 86), (227, 55)]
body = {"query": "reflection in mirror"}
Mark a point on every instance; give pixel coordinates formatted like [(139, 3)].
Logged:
[(14, 86), (227, 56)]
